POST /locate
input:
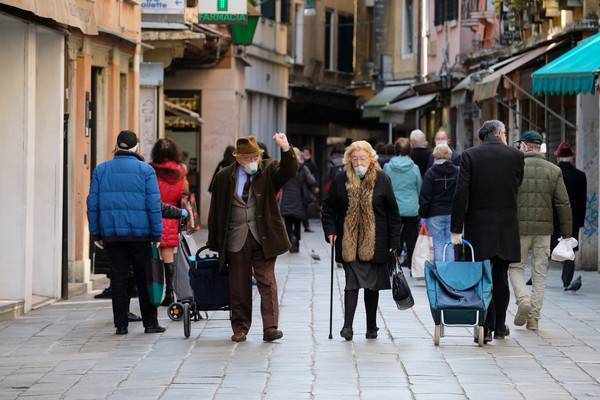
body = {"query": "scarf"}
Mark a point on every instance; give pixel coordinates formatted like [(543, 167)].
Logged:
[(359, 224)]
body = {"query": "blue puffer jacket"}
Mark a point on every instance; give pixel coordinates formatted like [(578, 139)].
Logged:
[(124, 201)]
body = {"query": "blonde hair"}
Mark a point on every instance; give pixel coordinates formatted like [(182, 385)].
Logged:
[(360, 145), (442, 151), (297, 151)]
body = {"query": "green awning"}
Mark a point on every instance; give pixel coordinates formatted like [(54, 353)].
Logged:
[(573, 72), (395, 112), (372, 108), (458, 94)]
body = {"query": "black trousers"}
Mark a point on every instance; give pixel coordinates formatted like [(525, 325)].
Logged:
[(496, 315), (409, 235), (292, 226), (122, 255)]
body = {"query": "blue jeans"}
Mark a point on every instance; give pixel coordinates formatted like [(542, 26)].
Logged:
[(439, 230)]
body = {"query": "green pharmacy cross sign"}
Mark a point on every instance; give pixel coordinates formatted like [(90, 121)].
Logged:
[(225, 12), (222, 5)]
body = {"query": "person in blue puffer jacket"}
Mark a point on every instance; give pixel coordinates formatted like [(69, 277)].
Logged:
[(124, 215), (406, 181)]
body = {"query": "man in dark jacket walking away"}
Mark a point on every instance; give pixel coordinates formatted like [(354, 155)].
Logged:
[(245, 227), (576, 184), (123, 209), (542, 186), (488, 182), (420, 152), (435, 200)]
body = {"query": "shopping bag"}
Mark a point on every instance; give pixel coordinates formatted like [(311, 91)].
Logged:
[(209, 282), (453, 285), (188, 202), (400, 289), (423, 252), (564, 250), (155, 277), (181, 282)]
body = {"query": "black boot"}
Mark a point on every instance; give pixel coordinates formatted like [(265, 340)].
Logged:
[(169, 267)]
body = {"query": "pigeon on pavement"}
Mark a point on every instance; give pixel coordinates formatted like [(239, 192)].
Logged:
[(575, 285), (315, 256)]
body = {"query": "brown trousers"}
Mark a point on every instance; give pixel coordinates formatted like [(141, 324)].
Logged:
[(240, 286)]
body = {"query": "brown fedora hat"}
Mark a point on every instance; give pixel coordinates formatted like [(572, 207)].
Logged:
[(247, 147)]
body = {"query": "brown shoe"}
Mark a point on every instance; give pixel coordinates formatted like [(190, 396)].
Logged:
[(532, 324), (522, 313), (239, 337), (271, 334)]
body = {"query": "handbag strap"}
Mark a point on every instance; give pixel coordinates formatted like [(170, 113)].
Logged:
[(423, 229), (186, 186)]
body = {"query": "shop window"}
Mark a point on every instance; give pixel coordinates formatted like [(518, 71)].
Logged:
[(345, 51)]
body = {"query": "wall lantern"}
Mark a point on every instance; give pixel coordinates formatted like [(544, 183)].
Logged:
[(309, 9), (446, 80), (243, 34)]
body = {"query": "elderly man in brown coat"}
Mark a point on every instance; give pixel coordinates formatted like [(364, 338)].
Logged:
[(245, 227)]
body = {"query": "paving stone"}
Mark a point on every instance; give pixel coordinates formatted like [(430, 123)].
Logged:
[(69, 349)]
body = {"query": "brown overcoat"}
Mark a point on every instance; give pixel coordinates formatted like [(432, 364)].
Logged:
[(270, 177)]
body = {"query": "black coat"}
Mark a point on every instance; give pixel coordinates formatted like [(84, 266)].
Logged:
[(385, 208), (437, 190), (576, 184), (485, 200), (420, 155), (296, 194)]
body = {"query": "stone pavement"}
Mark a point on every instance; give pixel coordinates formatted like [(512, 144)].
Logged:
[(68, 350)]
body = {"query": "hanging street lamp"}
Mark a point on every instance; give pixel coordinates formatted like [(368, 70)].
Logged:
[(309, 9)]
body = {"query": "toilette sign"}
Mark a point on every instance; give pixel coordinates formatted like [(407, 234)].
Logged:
[(163, 6), (226, 12)]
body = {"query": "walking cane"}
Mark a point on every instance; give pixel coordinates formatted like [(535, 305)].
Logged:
[(331, 295)]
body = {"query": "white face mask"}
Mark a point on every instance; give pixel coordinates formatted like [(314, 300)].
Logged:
[(251, 167), (438, 142), (361, 170)]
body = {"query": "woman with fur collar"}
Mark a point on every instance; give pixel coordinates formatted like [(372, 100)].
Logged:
[(360, 217)]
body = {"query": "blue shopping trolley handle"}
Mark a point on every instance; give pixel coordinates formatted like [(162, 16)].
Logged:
[(464, 241)]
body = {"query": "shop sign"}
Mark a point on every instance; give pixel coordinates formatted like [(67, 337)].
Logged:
[(225, 12)]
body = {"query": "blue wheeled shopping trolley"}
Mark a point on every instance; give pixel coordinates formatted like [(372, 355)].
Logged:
[(459, 293)]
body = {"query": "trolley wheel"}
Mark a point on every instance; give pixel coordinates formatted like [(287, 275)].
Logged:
[(175, 311), (438, 334), (186, 320), (480, 338)]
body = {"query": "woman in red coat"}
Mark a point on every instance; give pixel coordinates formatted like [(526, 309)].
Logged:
[(170, 172)]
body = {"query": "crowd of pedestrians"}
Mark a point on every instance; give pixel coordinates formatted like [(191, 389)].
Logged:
[(506, 199)]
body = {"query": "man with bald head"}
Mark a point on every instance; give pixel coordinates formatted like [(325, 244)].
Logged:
[(442, 137)]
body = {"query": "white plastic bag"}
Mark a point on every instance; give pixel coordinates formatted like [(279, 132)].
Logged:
[(564, 250), (423, 252)]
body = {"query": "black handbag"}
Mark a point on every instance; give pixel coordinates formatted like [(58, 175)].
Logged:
[(400, 289)]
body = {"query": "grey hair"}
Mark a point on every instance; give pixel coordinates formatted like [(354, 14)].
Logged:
[(566, 159), (417, 138), (491, 128)]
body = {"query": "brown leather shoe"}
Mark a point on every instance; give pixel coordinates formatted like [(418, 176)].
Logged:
[(271, 334), (239, 337)]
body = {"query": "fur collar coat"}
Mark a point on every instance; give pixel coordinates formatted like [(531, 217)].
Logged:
[(363, 214)]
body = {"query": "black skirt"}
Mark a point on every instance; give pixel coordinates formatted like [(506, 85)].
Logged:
[(365, 275)]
